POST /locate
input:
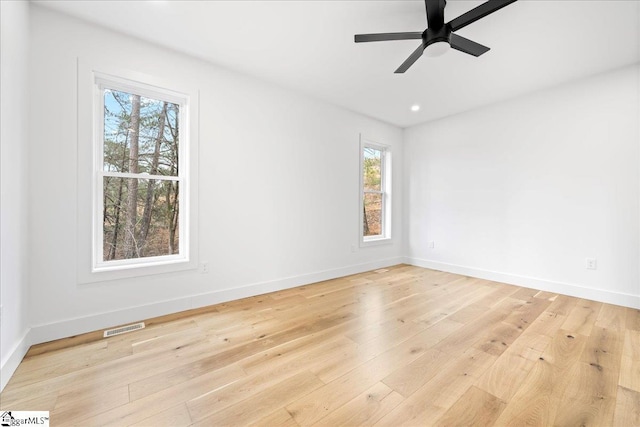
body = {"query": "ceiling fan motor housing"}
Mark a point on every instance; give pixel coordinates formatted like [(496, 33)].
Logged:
[(431, 35)]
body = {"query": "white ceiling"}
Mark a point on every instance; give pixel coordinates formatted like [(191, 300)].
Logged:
[(308, 46)]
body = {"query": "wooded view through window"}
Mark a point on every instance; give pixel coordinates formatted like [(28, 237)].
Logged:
[(373, 191), (140, 176)]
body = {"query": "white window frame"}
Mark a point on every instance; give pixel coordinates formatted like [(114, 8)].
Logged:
[(385, 191), (170, 86), (103, 82)]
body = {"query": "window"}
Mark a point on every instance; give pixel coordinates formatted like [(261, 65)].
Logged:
[(140, 175), (375, 194)]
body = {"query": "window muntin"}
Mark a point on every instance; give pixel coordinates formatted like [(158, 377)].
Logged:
[(140, 176), (375, 194)]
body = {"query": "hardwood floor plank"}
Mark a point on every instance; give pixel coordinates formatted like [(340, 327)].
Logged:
[(525, 294), (412, 413), (477, 308), (453, 381), (536, 401), (604, 348), (382, 330), (428, 338), (315, 352), (548, 323), (533, 404), (365, 409), (13, 395), (474, 408), (530, 345), (470, 312), (217, 399), (36, 402), (279, 418), (166, 340), (409, 378), (60, 356), (582, 317), (253, 408), (448, 304), (175, 416), (504, 378), (627, 413), (459, 341), (630, 363), (550, 296), (431, 400), (498, 338), (590, 396), (207, 385), (562, 305), (324, 362), (524, 315), (633, 319), (74, 413), (435, 396), (612, 317), (579, 413), (165, 380), (564, 350)]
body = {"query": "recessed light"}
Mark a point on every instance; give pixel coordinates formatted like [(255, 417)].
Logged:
[(415, 107)]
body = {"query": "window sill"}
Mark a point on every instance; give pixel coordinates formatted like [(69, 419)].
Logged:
[(375, 241), (149, 262), (120, 272)]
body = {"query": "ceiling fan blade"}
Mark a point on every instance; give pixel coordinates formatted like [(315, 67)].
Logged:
[(467, 46), (479, 12), (435, 13), (360, 38), (411, 59)]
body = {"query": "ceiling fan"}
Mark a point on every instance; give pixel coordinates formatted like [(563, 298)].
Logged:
[(439, 37)]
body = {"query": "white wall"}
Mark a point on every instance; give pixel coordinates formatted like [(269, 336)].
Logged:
[(14, 37), (525, 190), (278, 183)]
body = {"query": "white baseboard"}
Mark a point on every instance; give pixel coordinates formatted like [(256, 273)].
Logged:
[(70, 327), (617, 298), (10, 363)]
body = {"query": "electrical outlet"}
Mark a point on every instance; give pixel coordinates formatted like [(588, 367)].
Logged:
[(204, 268), (353, 248), (432, 244), (592, 263)]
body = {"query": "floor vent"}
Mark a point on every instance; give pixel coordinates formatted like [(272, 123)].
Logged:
[(123, 329)]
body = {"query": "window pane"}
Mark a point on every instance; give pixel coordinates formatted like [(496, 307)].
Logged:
[(140, 218), (372, 214), (371, 168), (140, 134)]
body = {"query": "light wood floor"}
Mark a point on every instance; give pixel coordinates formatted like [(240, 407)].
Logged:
[(399, 346)]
